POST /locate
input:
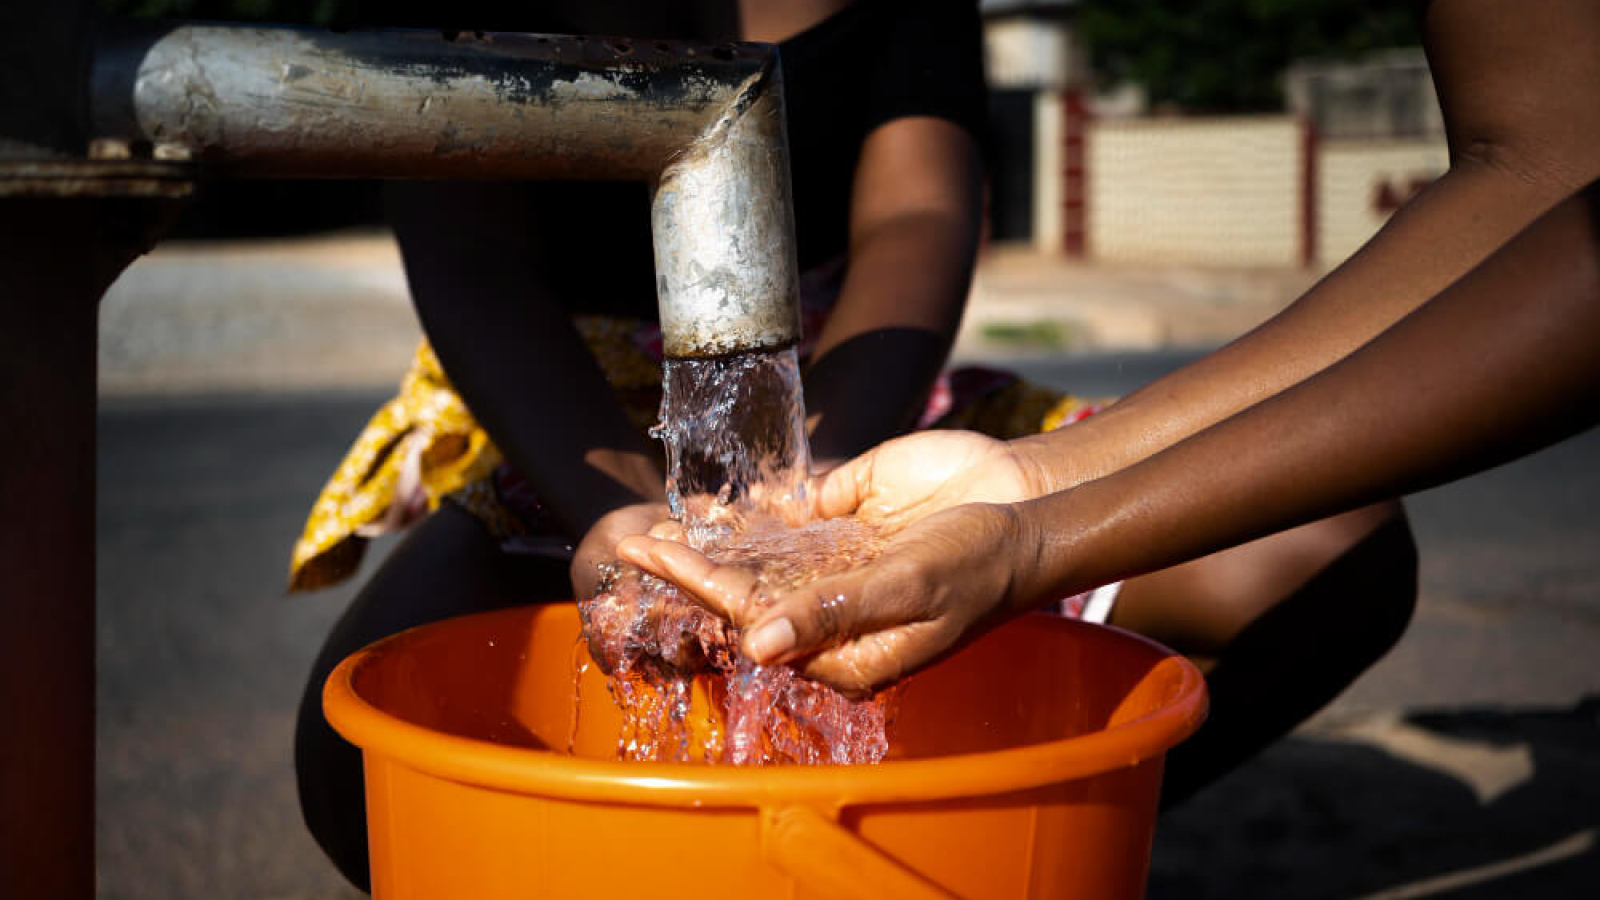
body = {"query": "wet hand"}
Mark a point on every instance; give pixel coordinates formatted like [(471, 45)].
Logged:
[(909, 478), (597, 546), (940, 582)]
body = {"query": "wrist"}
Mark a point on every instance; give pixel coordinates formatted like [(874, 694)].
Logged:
[(1060, 550), (1025, 558), (1083, 451), (1041, 462)]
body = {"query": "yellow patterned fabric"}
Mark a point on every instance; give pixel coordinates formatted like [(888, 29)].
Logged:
[(1017, 410), (419, 447), (425, 445)]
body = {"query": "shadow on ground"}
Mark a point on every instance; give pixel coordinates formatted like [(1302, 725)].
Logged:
[(1317, 818)]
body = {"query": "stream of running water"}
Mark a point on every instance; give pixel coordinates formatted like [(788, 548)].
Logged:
[(737, 463)]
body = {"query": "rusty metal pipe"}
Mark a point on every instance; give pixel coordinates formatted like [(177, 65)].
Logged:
[(704, 123), (723, 226)]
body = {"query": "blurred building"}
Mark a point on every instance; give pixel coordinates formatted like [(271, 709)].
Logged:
[(1380, 139), (1080, 170), (1388, 95), (1037, 69), (1200, 190)]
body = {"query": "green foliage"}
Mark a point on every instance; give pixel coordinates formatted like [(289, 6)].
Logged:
[(303, 12), (1229, 55), (1041, 334)]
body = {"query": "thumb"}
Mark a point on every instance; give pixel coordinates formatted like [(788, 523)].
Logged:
[(833, 610), (727, 591), (842, 489), (855, 632)]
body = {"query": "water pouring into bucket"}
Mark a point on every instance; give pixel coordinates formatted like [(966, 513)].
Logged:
[(738, 460), (502, 761)]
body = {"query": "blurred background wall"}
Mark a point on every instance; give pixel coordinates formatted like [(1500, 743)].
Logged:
[(1126, 137), (1121, 130)]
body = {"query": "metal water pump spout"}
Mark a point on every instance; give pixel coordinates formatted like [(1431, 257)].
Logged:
[(703, 123), (94, 166)]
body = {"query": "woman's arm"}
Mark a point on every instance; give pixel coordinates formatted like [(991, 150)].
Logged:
[(1523, 121), (914, 215), (1502, 363), (1499, 364)]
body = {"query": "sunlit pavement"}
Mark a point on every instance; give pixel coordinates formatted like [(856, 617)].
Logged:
[(333, 312), (1465, 765)]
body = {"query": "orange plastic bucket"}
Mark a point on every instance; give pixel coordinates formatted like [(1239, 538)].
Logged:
[(1028, 765)]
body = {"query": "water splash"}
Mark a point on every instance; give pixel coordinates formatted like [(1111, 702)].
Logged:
[(735, 435), (737, 458)]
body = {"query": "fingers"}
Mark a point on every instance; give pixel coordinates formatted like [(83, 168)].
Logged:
[(870, 662), (842, 490), (668, 530), (857, 639), (872, 625), (725, 590), (855, 632), (825, 614), (598, 546)]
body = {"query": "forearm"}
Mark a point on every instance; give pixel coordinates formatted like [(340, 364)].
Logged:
[(890, 332), (1419, 252), (1500, 363), (1522, 135)]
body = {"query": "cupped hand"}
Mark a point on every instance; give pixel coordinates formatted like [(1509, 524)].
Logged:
[(598, 545), (940, 582), (906, 479)]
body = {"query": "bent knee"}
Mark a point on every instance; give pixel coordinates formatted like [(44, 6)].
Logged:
[(1383, 582), (1201, 606), (329, 778), (1362, 567)]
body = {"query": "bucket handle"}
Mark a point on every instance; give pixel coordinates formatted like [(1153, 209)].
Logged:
[(830, 861)]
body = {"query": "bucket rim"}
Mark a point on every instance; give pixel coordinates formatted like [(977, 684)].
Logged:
[(547, 773)]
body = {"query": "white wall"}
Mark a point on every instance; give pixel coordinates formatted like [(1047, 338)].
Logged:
[(1350, 177), (1025, 52), (1209, 191), (1048, 163)]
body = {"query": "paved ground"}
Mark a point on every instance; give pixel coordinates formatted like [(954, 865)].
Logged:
[(254, 316), (1042, 305), (1465, 765), (277, 315)]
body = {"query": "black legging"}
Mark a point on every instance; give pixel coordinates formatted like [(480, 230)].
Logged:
[(1299, 655), (447, 566), (1279, 671)]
